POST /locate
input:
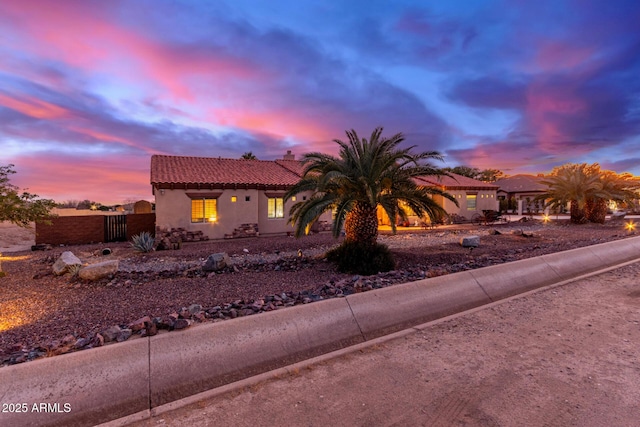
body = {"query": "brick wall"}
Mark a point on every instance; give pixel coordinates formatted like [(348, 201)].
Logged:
[(71, 230), (78, 230), (137, 223)]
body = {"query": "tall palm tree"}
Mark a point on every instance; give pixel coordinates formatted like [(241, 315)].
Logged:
[(365, 175)]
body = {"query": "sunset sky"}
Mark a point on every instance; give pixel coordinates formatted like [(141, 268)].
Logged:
[(89, 90)]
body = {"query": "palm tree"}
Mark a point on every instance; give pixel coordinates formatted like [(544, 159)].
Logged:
[(248, 156), (570, 184), (587, 189), (611, 187), (365, 175)]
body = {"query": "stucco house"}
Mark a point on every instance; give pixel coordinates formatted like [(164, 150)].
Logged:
[(218, 195), (473, 196), (519, 192)]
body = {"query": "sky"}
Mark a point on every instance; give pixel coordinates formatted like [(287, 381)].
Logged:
[(89, 90)]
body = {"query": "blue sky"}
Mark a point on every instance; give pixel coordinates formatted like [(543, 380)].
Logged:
[(89, 90)]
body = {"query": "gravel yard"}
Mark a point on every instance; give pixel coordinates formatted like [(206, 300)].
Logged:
[(43, 315)]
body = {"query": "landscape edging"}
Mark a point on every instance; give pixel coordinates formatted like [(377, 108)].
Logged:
[(110, 382)]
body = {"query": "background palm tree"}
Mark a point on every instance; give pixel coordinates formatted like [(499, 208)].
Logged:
[(365, 175), (588, 190), (248, 156)]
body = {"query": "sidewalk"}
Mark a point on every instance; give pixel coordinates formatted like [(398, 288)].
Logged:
[(564, 356)]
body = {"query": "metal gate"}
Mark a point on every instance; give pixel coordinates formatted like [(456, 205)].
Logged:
[(115, 228)]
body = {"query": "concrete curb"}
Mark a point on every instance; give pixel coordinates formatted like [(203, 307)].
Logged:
[(135, 377)]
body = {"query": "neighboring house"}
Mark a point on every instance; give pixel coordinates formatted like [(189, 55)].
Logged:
[(519, 192), (473, 196), (217, 196)]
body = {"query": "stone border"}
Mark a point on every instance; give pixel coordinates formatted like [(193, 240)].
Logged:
[(134, 377)]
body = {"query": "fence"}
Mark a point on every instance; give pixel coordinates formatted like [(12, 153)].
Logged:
[(78, 230)]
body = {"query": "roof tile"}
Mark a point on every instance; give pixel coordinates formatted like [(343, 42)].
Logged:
[(207, 170)]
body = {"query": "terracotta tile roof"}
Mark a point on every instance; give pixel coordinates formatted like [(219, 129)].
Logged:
[(216, 172), (521, 183), (209, 171), (456, 181), (294, 166)]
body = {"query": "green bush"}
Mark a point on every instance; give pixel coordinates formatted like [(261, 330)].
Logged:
[(358, 258), (143, 242)]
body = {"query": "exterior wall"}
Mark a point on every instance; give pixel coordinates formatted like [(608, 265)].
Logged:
[(281, 225), (71, 230), (485, 200), (137, 223), (273, 225), (80, 230), (173, 210)]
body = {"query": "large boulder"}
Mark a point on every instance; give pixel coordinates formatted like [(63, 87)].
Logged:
[(470, 241), (99, 270), (216, 262), (65, 263)]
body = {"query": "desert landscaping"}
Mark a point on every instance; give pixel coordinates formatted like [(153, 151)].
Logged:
[(45, 315)]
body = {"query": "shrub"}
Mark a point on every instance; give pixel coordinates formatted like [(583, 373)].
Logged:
[(358, 258), (143, 242), (74, 270)]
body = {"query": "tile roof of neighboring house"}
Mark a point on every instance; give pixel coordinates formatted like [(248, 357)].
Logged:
[(210, 172), (456, 181), (521, 184)]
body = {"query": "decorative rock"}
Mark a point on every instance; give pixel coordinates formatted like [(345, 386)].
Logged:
[(110, 334), (124, 335), (470, 241), (165, 322), (182, 324), (99, 270), (66, 261), (216, 262), (150, 329), (97, 341), (494, 232), (82, 342), (139, 324), (195, 308)]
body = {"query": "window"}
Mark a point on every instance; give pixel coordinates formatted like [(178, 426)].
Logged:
[(204, 210), (471, 202), (234, 199), (293, 199), (247, 198), (275, 207)]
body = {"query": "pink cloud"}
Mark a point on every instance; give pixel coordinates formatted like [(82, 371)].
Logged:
[(547, 108), (557, 56), (279, 121), (85, 38), (106, 180), (33, 107), (106, 137)]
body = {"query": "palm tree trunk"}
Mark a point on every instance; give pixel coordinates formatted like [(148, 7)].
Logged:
[(361, 224), (577, 213), (596, 210)]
